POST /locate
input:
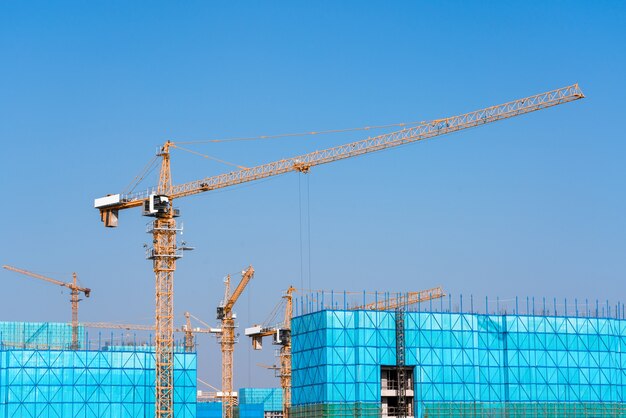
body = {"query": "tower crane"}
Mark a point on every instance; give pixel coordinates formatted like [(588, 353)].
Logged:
[(75, 291), (227, 317), (282, 336), (158, 203)]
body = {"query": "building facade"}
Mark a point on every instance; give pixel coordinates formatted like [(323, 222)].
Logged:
[(458, 364), (112, 381)]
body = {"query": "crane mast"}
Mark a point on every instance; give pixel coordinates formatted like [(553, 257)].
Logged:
[(75, 291), (158, 203), (282, 336), (226, 316), (189, 338), (164, 255), (285, 353)]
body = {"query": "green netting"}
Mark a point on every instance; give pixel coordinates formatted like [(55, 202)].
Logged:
[(341, 410), (89, 384), (470, 410), (523, 410)]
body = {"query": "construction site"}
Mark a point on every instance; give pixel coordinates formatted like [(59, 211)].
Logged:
[(468, 277), (341, 354)]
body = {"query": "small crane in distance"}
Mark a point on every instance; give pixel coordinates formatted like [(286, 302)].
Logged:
[(281, 333), (227, 317), (75, 291)]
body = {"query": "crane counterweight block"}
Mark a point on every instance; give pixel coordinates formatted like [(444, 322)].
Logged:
[(257, 342), (109, 217)]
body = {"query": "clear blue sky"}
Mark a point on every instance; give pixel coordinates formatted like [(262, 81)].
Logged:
[(529, 206)]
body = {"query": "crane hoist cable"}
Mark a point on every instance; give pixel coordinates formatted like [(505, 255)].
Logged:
[(304, 230)]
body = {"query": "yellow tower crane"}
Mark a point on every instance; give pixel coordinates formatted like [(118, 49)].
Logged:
[(227, 317), (158, 202), (75, 291), (281, 334)]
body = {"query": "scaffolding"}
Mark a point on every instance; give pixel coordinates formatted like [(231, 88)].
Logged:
[(335, 410), (499, 363), (39, 335), (110, 379), (270, 398)]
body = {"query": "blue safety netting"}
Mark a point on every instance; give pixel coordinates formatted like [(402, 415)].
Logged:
[(89, 384), (270, 398), (39, 335), (461, 357)]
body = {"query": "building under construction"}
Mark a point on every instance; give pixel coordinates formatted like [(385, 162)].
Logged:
[(443, 359), (42, 376), (439, 358)]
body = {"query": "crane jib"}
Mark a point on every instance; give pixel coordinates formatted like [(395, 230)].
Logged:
[(111, 204)]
